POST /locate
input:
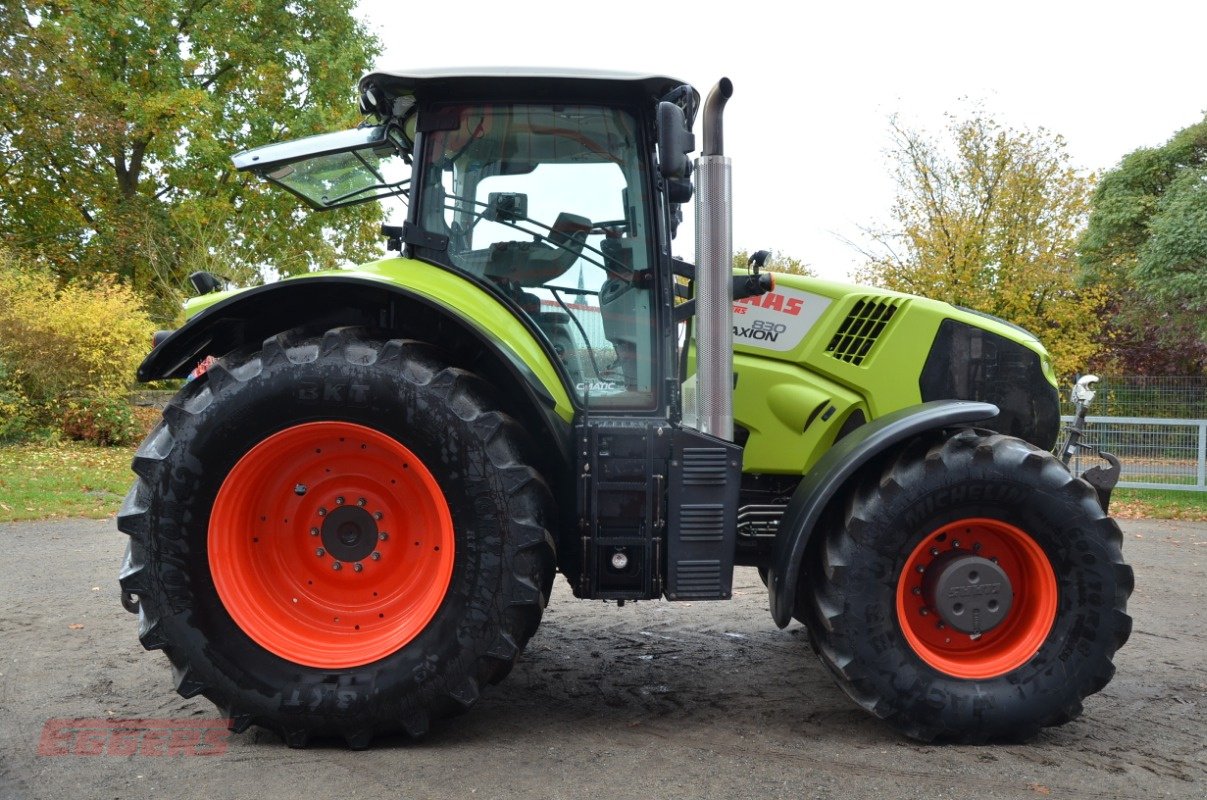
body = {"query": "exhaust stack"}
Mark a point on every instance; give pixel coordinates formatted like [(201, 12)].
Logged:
[(714, 270)]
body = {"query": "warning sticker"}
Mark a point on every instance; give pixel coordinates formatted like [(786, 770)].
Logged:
[(777, 320)]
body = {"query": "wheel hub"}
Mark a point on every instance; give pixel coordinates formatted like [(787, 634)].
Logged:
[(976, 597), (970, 593), (349, 533)]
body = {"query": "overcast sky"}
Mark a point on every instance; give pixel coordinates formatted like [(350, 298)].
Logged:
[(814, 86)]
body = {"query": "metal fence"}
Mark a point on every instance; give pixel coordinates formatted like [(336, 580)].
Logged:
[(1178, 397), (1155, 453)]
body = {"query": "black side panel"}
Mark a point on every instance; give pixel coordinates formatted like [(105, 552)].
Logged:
[(621, 499), (968, 363), (706, 475)]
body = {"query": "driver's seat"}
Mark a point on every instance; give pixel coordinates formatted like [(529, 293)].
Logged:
[(537, 263)]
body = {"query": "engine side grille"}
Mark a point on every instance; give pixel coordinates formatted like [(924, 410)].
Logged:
[(858, 333)]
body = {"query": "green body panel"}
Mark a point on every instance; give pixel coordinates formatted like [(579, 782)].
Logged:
[(792, 401), (778, 392), (461, 298)]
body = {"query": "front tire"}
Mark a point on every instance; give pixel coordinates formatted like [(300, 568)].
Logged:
[(978, 508), (337, 536)]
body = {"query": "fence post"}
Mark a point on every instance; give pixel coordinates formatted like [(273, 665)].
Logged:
[(1203, 454)]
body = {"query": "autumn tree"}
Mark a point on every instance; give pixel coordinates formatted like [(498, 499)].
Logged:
[(1147, 241), (989, 219), (118, 118)]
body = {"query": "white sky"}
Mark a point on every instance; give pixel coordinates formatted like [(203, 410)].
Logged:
[(815, 84)]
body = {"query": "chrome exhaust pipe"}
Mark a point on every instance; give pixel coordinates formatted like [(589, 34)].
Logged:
[(714, 270)]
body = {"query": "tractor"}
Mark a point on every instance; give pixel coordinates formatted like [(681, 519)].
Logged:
[(349, 520)]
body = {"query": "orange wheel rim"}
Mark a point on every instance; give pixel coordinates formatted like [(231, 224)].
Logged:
[(1013, 641), (331, 544)]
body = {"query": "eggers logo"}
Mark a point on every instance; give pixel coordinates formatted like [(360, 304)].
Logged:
[(134, 737)]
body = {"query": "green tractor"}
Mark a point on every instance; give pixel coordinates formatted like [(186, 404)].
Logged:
[(349, 521)]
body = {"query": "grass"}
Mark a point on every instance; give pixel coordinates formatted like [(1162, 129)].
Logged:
[(72, 479), (62, 479), (1159, 504)]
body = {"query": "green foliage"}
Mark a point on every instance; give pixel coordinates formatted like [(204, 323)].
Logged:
[(70, 352), (13, 404), (1147, 240), (989, 220), (118, 118)]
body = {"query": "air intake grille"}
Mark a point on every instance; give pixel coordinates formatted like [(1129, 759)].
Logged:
[(704, 466), (857, 335), (700, 580)]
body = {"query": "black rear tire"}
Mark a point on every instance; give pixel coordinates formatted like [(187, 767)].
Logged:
[(857, 627), (500, 508)]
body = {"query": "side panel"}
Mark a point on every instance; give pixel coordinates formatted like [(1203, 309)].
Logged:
[(812, 353)]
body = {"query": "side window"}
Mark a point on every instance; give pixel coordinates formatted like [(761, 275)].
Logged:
[(553, 223)]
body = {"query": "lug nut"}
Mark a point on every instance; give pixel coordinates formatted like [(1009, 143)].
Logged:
[(357, 567), (300, 489), (376, 556), (934, 551), (339, 501), (361, 502), (923, 611), (916, 590), (955, 543), (322, 512), (314, 531), (320, 552), (376, 515), (336, 565), (383, 536)]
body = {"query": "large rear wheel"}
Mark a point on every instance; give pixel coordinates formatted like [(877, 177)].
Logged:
[(975, 590), (337, 536)]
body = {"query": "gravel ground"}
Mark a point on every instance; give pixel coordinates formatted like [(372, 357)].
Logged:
[(652, 700)]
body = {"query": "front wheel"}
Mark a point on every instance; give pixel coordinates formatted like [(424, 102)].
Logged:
[(975, 591), (337, 536)]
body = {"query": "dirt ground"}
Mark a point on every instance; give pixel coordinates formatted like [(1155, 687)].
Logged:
[(654, 700)]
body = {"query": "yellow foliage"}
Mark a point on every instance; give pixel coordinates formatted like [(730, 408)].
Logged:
[(992, 224), (71, 351)]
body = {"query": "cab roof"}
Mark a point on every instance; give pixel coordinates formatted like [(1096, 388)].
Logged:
[(548, 82)]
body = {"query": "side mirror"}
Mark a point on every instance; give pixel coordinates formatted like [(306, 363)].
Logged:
[(675, 141)]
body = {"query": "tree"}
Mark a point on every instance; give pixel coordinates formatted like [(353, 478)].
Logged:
[(1147, 241), (991, 222), (117, 120)]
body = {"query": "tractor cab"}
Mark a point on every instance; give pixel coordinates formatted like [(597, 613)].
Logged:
[(557, 208)]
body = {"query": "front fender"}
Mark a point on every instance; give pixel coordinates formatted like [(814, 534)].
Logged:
[(832, 472)]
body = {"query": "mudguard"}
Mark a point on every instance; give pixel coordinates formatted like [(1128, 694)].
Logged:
[(833, 470), (447, 305)]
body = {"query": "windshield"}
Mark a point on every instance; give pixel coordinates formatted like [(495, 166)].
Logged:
[(546, 203)]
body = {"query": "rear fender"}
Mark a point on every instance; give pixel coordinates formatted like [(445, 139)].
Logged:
[(832, 473), (438, 307)]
